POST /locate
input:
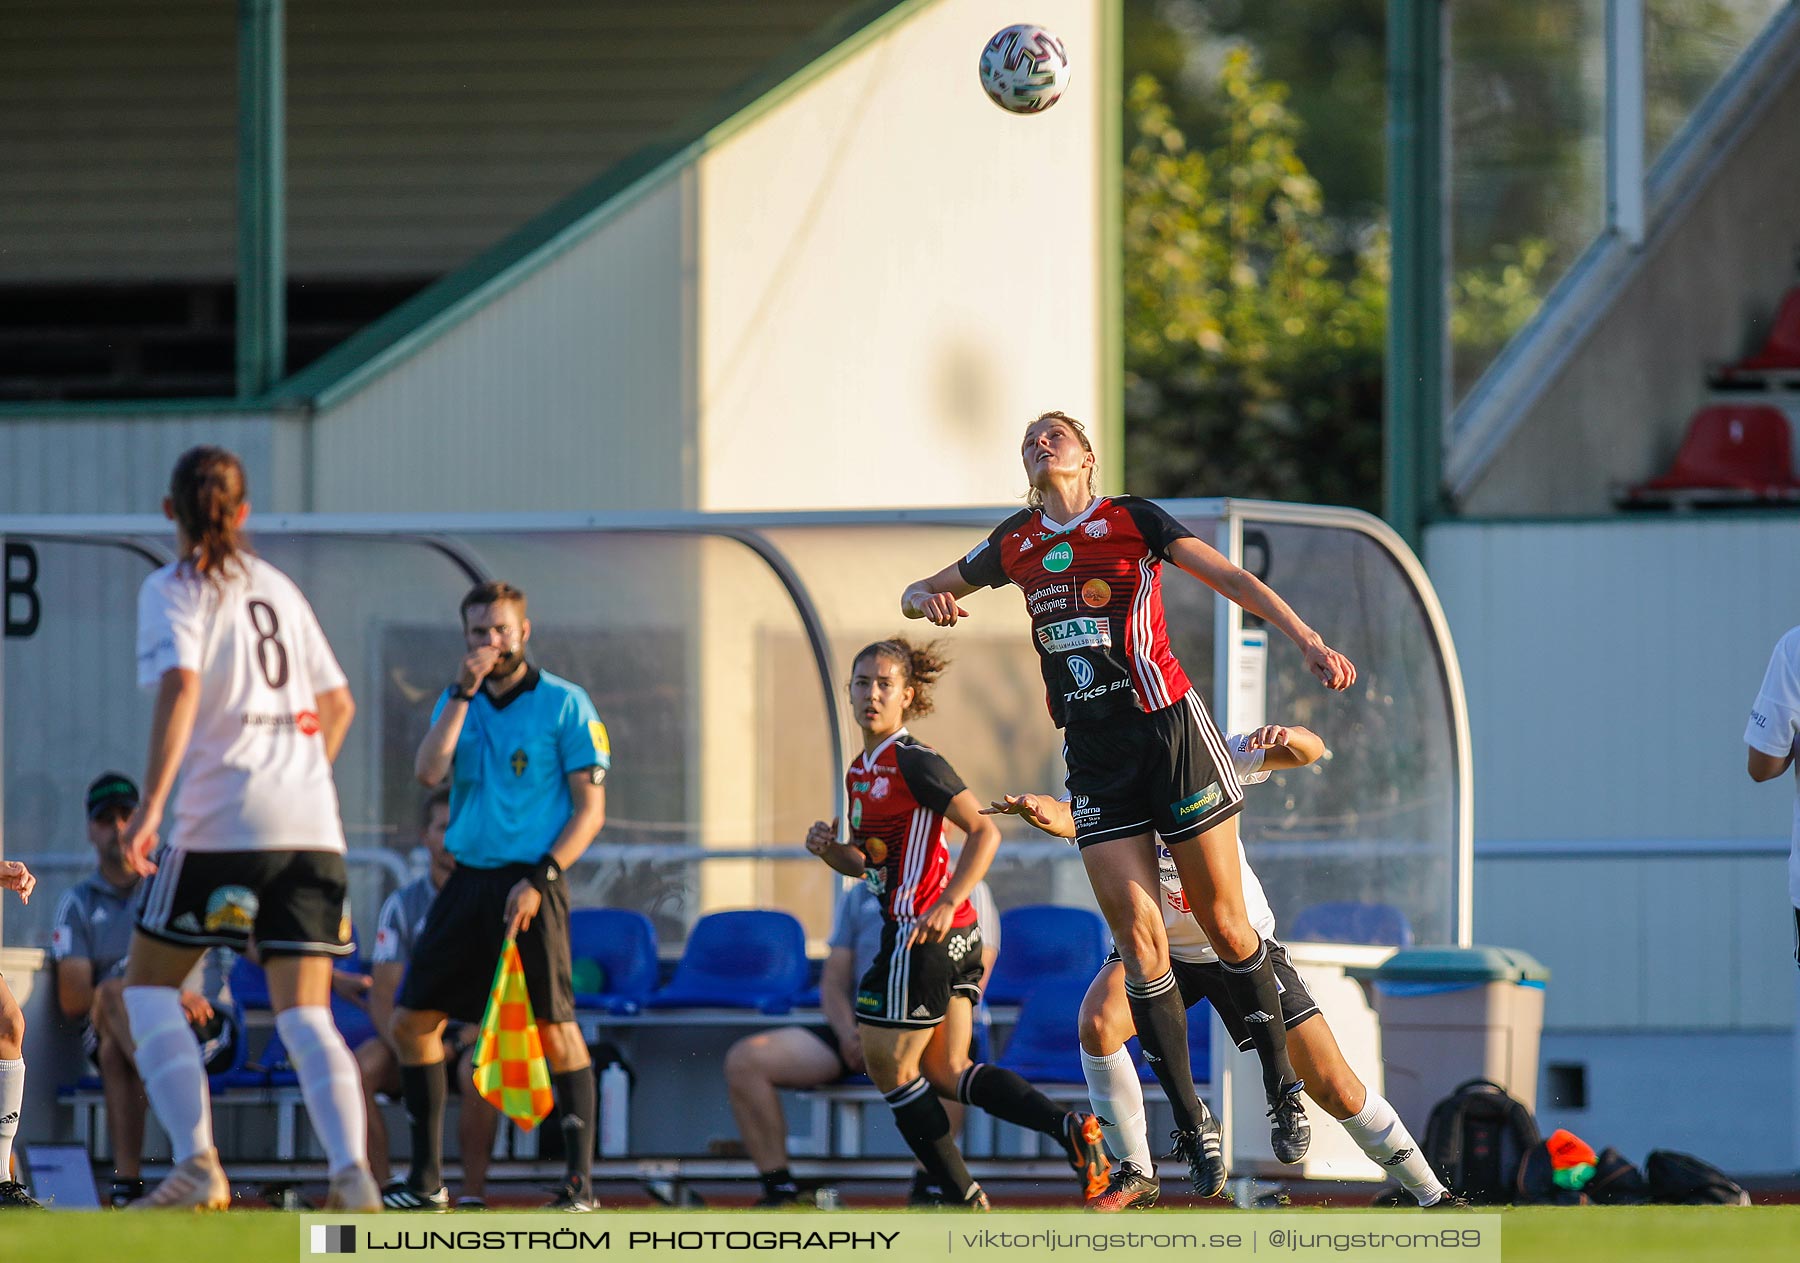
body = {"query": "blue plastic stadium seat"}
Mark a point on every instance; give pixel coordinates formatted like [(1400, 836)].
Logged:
[(1347, 921), (739, 960), (249, 984), (1042, 941), (623, 944), (1046, 1044)]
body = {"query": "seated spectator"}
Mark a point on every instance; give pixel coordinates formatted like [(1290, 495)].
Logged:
[(401, 917), (89, 939), (798, 1057)]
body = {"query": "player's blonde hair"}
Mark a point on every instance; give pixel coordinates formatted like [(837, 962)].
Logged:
[(1035, 498), (206, 490), (922, 664)]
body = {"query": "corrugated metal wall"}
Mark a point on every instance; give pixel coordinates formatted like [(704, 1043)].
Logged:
[(419, 131), (1610, 667), (571, 391), (119, 461)]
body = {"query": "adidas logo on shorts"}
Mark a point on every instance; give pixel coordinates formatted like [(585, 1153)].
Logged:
[(921, 1011), (1258, 1016)]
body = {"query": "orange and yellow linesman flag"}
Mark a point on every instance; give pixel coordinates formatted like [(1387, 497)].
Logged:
[(510, 1070)]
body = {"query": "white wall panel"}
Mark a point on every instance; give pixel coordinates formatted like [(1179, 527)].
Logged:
[(879, 324), (1610, 668), (569, 391)]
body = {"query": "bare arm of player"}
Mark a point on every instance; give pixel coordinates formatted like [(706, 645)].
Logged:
[(1766, 767), (336, 709), (978, 850), (1040, 811), (385, 986), (75, 987), (171, 727), (936, 599), (1287, 746), (1242, 588), (587, 813), (837, 999), (821, 840), (15, 876)]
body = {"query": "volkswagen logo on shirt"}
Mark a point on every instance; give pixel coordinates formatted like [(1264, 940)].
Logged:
[(1081, 669)]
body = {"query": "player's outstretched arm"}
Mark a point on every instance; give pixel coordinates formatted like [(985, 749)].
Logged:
[(1242, 588), (1040, 811), (980, 844), (937, 598), (1287, 746)]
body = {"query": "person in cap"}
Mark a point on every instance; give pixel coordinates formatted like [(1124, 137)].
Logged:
[(90, 936)]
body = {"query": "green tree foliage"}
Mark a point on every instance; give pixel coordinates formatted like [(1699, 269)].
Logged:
[(1253, 363), (1254, 340)]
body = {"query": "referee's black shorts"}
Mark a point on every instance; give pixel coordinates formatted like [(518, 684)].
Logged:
[(458, 948)]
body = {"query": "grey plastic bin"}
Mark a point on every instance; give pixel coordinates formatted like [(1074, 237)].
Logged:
[(1450, 1014)]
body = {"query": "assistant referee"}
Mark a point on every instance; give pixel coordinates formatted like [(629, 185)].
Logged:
[(527, 756)]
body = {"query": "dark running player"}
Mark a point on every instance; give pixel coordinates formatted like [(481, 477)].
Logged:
[(1143, 755), (1113, 1086), (527, 756), (901, 793)]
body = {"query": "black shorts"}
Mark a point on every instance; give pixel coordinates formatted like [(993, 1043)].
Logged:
[(912, 987), (291, 903), (1209, 982), (825, 1035), (453, 960), (1165, 770)]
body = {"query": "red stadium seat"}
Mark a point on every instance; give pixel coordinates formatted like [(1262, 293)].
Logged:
[(1780, 352), (1733, 454)]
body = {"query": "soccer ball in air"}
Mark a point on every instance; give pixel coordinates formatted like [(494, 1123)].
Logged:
[(1024, 69)]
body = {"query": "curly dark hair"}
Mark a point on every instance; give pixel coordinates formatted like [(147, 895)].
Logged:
[(923, 664)]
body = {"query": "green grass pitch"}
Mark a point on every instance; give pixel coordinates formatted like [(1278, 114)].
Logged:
[(1648, 1234)]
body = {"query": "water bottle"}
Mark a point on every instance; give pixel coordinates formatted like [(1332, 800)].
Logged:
[(615, 1111)]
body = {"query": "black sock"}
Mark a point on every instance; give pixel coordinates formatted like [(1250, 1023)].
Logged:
[(1008, 1097), (575, 1104), (926, 1129), (1161, 1022), (422, 1090), (1252, 987), (779, 1183)]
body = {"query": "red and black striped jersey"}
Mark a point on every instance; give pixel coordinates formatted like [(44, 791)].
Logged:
[(1094, 590), (898, 795)]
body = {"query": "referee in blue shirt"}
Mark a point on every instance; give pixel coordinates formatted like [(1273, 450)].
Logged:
[(527, 757)]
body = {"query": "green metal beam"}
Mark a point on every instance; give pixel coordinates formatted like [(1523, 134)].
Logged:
[(1112, 244), (1418, 210), (261, 199)]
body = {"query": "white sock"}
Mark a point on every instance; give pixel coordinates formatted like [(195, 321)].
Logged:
[(12, 1099), (168, 1060), (329, 1083), (1378, 1132), (1117, 1096)]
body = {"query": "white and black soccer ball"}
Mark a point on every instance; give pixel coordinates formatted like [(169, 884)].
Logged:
[(1024, 69)]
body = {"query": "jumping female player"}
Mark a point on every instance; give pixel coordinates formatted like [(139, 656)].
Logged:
[(1143, 755)]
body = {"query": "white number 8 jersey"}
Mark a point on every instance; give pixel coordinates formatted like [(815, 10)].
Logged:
[(255, 776)]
